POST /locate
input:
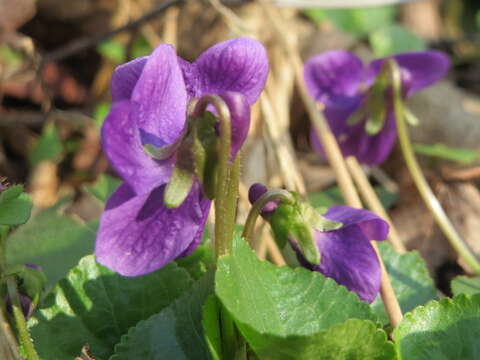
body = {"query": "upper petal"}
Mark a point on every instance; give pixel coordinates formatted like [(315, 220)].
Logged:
[(121, 143), (420, 69), (125, 78), (372, 225), (239, 65), (160, 98), (140, 235), (332, 77)]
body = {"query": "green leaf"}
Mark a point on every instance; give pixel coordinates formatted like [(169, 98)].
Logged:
[(358, 22), (410, 280), (96, 306), (446, 329), (460, 155), (466, 285), (52, 241), (103, 187), (333, 196), (15, 206), (175, 333), (271, 304), (353, 339), (394, 39), (113, 50), (211, 326), (48, 147)]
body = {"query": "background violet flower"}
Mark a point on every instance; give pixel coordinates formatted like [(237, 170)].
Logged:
[(340, 81), (346, 254), (137, 233)]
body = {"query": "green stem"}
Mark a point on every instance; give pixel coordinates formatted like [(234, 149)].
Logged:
[(20, 321), (422, 185), (225, 197), (274, 194)]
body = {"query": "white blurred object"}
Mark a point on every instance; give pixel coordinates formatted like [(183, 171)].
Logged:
[(332, 4)]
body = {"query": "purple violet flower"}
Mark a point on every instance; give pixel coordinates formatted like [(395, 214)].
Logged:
[(138, 234), (339, 80), (346, 254)]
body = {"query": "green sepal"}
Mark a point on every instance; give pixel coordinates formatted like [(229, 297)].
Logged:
[(160, 152), (299, 220), (178, 187), (205, 154), (376, 103), (357, 116)]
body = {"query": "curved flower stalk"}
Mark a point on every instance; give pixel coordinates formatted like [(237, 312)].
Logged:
[(141, 136), (345, 251), (358, 99)]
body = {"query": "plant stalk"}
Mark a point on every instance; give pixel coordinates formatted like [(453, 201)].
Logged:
[(225, 196), (20, 322), (373, 202), (424, 189)]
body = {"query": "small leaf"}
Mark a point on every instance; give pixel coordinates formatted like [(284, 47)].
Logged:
[(48, 147), (103, 187), (96, 306), (174, 333), (394, 39), (466, 285), (15, 206), (446, 329), (357, 22), (411, 281), (101, 112), (113, 50), (460, 155), (270, 303), (211, 326)]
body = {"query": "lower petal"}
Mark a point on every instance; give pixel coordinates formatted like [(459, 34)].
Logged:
[(138, 234), (349, 259)]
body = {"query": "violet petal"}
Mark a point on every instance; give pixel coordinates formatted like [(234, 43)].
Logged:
[(125, 78), (419, 69), (159, 98), (121, 143), (240, 118), (333, 77), (140, 234), (238, 65)]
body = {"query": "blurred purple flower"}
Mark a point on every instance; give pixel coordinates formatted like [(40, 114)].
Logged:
[(346, 254), (340, 81), (137, 233)]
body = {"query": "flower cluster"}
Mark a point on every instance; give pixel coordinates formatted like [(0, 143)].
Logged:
[(138, 233), (344, 86)]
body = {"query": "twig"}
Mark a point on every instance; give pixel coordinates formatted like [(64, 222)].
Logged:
[(84, 43), (333, 153), (371, 198)]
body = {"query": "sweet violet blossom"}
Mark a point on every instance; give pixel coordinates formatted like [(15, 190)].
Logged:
[(346, 254), (341, 83), (138, 233)]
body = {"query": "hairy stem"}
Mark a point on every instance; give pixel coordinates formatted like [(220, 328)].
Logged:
[(225, 196), (20, 322), (424, 189)]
